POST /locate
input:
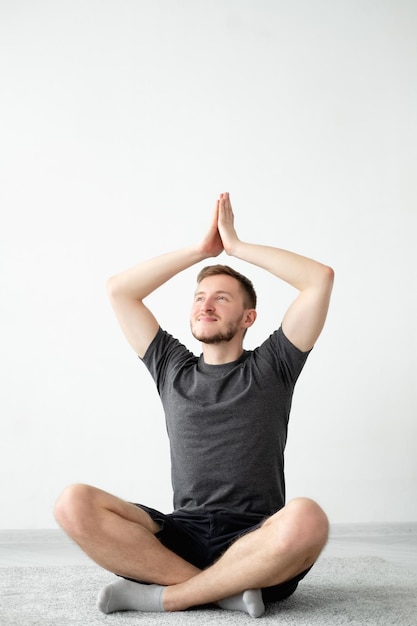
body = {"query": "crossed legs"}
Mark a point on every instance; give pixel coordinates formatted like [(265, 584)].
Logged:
[(120, 537)]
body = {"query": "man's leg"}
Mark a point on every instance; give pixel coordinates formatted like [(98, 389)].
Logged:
[(119, 536), (286, 544)]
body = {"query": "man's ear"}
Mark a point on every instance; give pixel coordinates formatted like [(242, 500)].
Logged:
[(249, 317)]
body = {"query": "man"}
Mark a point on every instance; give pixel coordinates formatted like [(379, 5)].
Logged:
[(231, 540)]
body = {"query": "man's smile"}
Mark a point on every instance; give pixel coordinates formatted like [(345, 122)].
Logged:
[(207, 318)]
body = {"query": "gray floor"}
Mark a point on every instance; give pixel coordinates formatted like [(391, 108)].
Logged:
[(396, 543)]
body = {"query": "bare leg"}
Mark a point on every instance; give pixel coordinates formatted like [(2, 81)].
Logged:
[(119, 536), (285, 545)]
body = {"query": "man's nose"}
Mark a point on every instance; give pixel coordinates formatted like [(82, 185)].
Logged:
[(208, 305)]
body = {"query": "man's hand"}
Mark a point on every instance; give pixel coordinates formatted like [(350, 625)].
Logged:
[(226, 224), (221, 234), (211, 245)]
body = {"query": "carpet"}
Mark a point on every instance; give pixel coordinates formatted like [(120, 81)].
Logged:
[(359, 591)]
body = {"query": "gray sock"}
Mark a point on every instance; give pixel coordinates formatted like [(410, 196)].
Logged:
[(249, 601), (125, 595)]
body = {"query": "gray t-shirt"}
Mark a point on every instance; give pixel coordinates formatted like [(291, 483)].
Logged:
[(227, 424)]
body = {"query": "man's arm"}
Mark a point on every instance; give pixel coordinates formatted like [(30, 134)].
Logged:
[(304, 319), (128, 289)]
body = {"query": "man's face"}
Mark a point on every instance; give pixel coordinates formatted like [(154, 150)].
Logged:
[(218, 309)]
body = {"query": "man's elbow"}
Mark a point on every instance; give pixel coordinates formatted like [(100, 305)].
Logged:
[(329, 274), (113, 287), (327, 278)]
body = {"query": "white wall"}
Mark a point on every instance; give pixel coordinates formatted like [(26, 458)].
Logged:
[(121, 121)]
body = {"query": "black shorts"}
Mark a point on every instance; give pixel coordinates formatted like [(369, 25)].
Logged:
[(202, 539)]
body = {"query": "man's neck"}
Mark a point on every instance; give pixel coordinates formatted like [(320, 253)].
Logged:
[(221, 353)]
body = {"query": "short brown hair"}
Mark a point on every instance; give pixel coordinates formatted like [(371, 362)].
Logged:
[(247, 286)]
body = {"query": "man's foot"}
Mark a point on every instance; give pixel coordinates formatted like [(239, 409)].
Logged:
[(126, 595), (249, 601)]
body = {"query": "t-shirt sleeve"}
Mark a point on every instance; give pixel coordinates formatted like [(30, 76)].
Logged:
[(163, 354), (284, 355)]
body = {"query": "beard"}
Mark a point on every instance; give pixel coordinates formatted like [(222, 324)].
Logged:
[(221, 337)]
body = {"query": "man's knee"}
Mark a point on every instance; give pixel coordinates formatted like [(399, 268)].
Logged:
[(73, 509), (301, 526), (312, 521)]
